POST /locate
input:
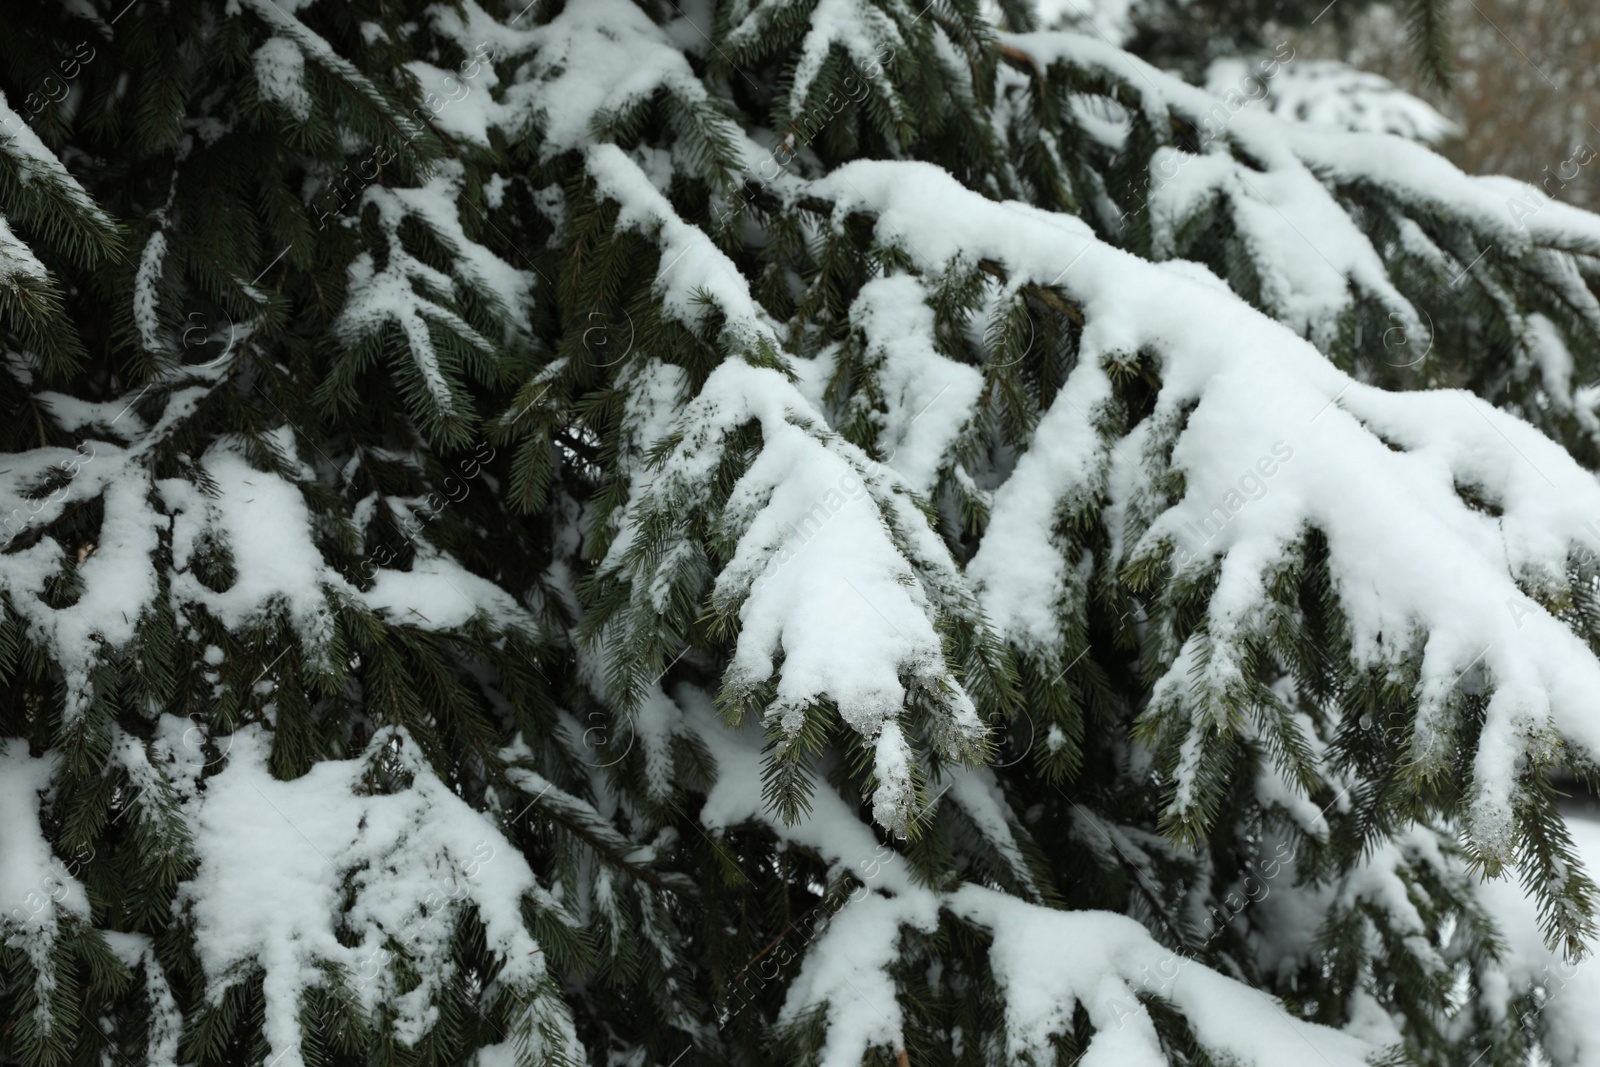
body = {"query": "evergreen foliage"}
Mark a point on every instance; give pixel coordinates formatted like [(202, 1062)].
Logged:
[(828, 530)]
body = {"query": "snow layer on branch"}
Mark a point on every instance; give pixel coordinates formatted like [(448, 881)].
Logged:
[(1286, 184), (281, 17), (435, 203), (1386, 894), (1111, 19), (1566, 991), (262, 518), (1325, 92), (146, 295), (119, 583), (831, 827), (691, 263), (829, 585), (1553, 357), (1410, 171), (822, 534), (32, 879), (266, 525), (1407, 552), (280, 69), (857, 27), (417, 298), (845, 966), (817, 572), (36, 889), (277, 858), (925, 395), (596, 58), (118, 576), (137, 952), (1024, 577), (1305, 246), (977, 791), (1048, 961), (268, 528), (437, 593), (847, 969), (17, 261), (457, 103), (654, 394), (35, 162)]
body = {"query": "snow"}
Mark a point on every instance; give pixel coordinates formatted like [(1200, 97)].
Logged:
[(691, 263), (146, 298), (442, 90), (437, 593), (119, 581), (435, 203), (925, 393), (978, 793), (35, 162), (830, 827), (1566, 989), (801, 520), (599, 58), (1109, 19), (1251, 383), (266, 525), (1044, 960), (817, 575), (34, 883), (1307, 249), (846, 968), (1019, 565), (1553, 358), (281, 17), (118, 573), (37, 891), (813, 577), (280, 75), (862, 31), (418, 298), (137, 951), (843, 590), (1113, 958), (17, 260), (1325, 92), (277, 858), (817, 526)]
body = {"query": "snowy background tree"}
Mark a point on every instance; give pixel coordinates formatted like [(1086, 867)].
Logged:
[(836, 531), (1544, 54)]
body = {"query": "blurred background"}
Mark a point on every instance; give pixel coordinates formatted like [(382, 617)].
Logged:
[(1499, 87), (1518, 96), (1523, 96)]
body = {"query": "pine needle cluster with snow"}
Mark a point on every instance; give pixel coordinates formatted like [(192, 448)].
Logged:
[(837, 531)]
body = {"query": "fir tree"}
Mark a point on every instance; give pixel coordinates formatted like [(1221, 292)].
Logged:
[(833, 531)]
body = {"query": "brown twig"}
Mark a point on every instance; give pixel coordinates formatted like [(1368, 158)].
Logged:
[(773, 943), (1043, 293)]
